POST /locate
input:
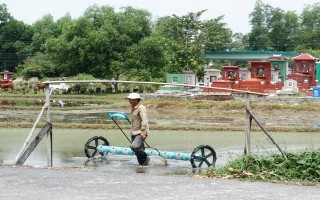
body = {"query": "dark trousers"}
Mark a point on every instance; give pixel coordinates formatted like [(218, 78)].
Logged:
[(137, 146)]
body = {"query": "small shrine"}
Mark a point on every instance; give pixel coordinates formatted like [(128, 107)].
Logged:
[(290, 88), (172, 78), (5, 77), (189, 77), (260, 80), (279, 64), (230, 74), (304, 71), (211, 75)]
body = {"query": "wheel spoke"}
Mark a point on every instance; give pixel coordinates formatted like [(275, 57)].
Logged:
[(94, 153), (209, 155), (207, 162), (202, 152), (91, 147), (200, 164), (198, 157)]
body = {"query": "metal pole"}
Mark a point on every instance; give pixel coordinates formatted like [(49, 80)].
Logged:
[(248, 126), (49, 134), (121, 130)]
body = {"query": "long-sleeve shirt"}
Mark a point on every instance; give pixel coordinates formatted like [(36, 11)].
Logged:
[(139, 120)]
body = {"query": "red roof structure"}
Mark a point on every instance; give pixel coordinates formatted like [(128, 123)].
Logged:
[(304, 57)]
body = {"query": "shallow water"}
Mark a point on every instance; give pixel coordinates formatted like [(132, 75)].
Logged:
[(68, 148)]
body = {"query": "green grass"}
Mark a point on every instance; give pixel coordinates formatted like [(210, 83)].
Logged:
[(303, 168)]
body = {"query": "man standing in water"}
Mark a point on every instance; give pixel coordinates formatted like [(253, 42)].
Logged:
[(139, 128)]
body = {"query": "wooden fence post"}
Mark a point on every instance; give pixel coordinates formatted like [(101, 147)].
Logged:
[(248, 126), (49, 133), (265, 131)]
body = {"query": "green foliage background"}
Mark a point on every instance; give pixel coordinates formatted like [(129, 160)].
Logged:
[(130, 44)]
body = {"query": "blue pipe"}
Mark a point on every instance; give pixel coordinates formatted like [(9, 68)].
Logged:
[(127, 151)]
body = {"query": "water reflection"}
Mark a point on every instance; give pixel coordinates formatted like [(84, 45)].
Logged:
[(68, 148)]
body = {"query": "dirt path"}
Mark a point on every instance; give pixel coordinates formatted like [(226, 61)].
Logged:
[(43, 183)]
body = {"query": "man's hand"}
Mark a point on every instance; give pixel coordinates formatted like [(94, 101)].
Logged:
[(143, 135)]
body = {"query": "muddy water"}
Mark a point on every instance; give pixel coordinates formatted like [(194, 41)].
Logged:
[(68, 148)]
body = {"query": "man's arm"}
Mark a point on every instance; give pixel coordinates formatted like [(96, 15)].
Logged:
[(144, 120)]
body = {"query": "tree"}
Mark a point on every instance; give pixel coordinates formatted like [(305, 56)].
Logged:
[(100, 41), (259, 18), (187, 39), (45, 29), (291, 23), (277, 33), (239, 42), (4, 14), (275, 29), (146, 60), (173, 42), (215, 36), (309, 34), (131, 27), (15, 39), (39, 66), (181, 40)]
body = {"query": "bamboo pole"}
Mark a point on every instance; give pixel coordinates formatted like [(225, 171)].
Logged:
[(153, 83), (30, 134), (44, 107), (26, 153)]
